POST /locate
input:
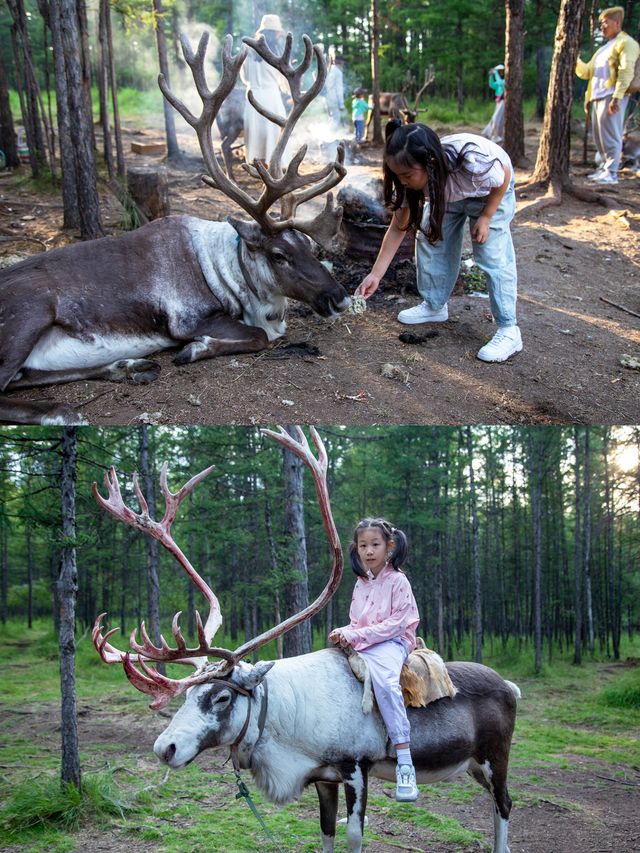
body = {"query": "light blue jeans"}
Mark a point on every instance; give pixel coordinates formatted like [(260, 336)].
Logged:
[(437, 266)]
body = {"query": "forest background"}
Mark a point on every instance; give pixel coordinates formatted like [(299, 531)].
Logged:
[(456, 41), (534, 544)]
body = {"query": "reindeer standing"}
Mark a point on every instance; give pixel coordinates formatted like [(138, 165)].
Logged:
[(95, 310), (299, 721)]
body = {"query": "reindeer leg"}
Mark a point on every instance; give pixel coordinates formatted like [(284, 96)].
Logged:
[(355, 778), (493, 778), (139, 370), (222, 336), (328, 798), (41, 413)]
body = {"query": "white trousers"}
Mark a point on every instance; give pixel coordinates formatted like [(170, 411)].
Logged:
[(385, 662), (608, 131)]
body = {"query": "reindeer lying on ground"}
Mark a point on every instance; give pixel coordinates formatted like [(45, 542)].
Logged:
[(95, 310), (299, 721)]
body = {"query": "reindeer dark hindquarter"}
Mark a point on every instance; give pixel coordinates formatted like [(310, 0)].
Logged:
[(477, 723)]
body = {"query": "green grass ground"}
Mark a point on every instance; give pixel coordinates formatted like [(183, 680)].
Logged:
[(591, 712)]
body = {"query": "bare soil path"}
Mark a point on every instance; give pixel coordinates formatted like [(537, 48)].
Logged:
[(571, 370)]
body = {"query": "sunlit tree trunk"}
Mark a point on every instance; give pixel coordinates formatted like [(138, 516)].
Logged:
[(552, 163), (375, 72), (514, 62)]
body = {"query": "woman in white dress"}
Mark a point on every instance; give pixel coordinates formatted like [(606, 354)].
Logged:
[(266, 84)]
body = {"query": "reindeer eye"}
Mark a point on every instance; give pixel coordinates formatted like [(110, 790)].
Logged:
[(223, 698), (279, 257)]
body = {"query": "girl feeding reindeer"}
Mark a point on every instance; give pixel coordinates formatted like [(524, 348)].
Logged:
[(384, 617), (434, 186)]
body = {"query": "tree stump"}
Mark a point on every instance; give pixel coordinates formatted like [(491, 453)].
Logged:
[(149, 189)]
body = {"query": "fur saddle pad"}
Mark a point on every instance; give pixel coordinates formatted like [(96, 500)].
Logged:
[(423, 679)]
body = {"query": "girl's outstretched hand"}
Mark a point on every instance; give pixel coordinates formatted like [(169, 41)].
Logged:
[(368, 286)]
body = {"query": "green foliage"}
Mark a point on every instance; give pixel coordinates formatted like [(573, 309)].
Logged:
[(46, 803), (624, 694)]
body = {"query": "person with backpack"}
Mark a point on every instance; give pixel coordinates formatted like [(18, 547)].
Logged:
[(610, 72)]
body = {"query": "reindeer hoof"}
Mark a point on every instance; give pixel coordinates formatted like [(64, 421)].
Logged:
[(139, 370)]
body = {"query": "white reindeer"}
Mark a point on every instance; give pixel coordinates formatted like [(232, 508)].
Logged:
[(299, 721)]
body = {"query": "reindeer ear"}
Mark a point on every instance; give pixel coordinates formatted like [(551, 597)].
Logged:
[(250, 232), (251, 677)]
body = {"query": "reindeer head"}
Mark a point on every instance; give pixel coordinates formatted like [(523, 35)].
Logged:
[(276, 239), (213, 714), (218, 694)]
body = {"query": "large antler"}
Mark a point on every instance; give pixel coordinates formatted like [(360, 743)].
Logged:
[(289, 186), (149, 680)]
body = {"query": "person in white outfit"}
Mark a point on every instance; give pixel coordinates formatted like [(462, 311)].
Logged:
[(334, 92), (267, 86)]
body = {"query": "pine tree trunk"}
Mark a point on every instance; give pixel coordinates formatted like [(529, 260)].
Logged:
[(161, 41), (4, 571), (27, 86), (7, 132), (71, 212), (153, 584), (577, 654), (375, 72), (514, 61), (82, 124), (67, 595), (117, 128), (586, 549), (103, 87), (535, 477), (296, 596), (475, 555), (552, 164)]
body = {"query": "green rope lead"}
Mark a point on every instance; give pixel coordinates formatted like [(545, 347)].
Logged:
[(243, 792)]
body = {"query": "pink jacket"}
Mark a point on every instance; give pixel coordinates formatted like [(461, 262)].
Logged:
[(382, 608)]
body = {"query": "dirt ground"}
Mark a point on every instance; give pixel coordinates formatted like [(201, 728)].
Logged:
[(570, 259), (569, 810)]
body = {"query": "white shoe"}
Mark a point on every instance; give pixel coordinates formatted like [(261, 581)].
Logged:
[(606, 178), (595, 175), (406, 788), (423, 314), (506, 342)]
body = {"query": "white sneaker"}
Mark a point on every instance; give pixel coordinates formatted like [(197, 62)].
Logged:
[(506, 342), (606, 178), (406, 788), (595, 175), (423, 314)]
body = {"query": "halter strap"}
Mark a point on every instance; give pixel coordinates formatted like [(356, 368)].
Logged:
[(262, 717)]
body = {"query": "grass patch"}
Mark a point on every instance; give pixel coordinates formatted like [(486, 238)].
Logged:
[(624, 694), (49, 804)]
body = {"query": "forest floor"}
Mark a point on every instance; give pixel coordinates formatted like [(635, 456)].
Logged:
[(574, 782), (579, 351)]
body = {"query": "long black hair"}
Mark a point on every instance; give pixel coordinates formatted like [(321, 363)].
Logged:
[(390, 534), (413, 145)]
